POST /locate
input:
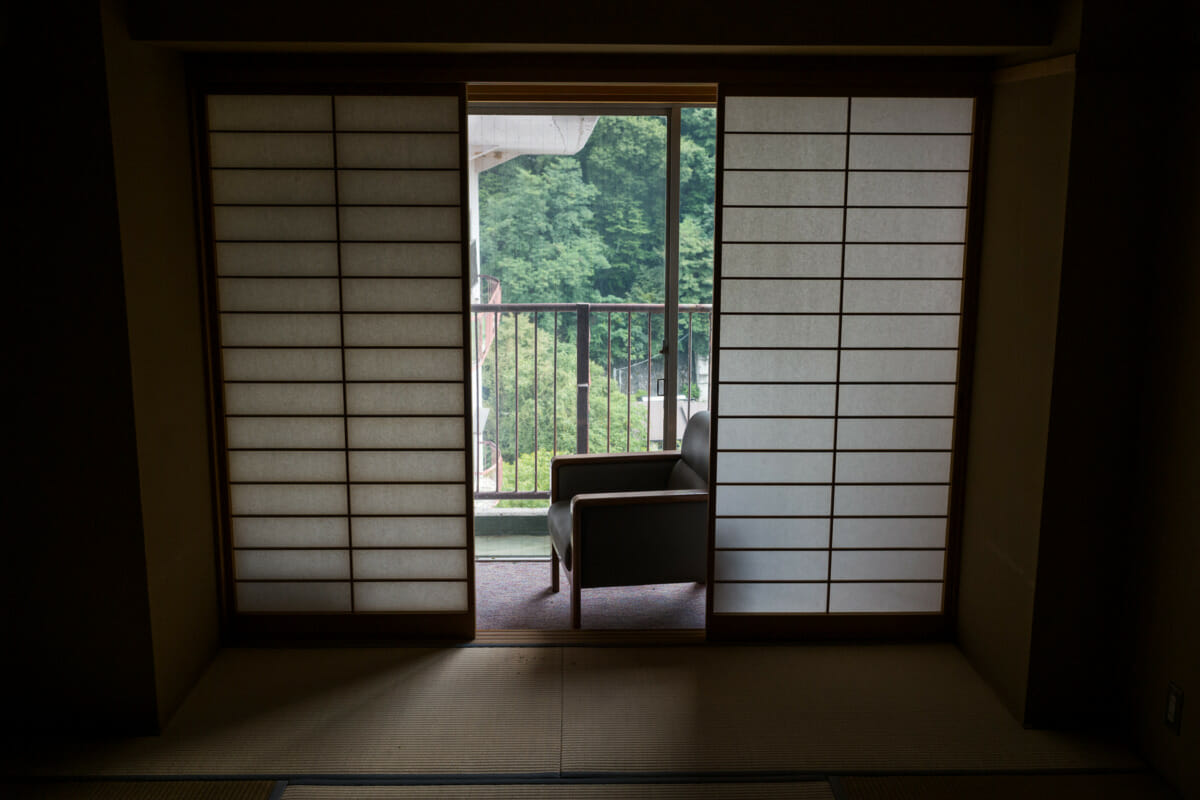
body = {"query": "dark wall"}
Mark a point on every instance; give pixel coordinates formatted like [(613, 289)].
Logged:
[(78, 605), (657, 25)]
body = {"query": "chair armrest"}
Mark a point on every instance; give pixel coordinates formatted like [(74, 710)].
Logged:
[(572, 475), (638, 498)]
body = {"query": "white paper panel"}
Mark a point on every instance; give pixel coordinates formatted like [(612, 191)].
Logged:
[(287, 499), (782, 225), (784, 188), (398, 150), (280, 329), (401, 466), (778, 365), (771, 565), (796, 297), (323, 364), (905, 225), (296, 223), (257, 150), (904, 260), (907, 189), (402, 330), (885, 597), (797, 331), (899, 366), (267, 294), (266, 112), (898, 565), (900, 501), (766, 501), (785, 113), (273, 187), (402, 564), (321, 465), (408, 499), (428, 596), (402, 258), (418, 187), (761, 400), (410, 531), (886, 400), (774, 467), (291, 531), (895, 434), (400, 223), (408, 398), (299, 432), (775, 434), (902, 296), (408, 432), (781, 260), (898, 331), (402, 294), (912, 114), (927, 532), (799, 151), (293, 597), (276, 258), (752, 532), (264, 565), (397, 113), (768, 598), (869, 152), (283, 398), (395, 365)]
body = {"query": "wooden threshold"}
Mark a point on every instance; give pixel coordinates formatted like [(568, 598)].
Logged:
[(640, 638)]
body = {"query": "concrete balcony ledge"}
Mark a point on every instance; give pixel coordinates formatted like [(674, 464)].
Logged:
[(510, 522)]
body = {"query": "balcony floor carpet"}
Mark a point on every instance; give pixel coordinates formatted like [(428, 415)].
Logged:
[(516, 595)]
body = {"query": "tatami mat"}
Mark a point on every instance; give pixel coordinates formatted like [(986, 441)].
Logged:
[(347, 711), (806, 709), (580, 711), (1137, 786), (139, 790), (810, 790)]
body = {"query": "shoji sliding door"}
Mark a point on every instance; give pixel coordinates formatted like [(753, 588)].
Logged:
[(339, 291), (842, 228)]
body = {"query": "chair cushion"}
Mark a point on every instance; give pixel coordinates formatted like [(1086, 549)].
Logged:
[(558, 519), (695, 447), (684, 477)]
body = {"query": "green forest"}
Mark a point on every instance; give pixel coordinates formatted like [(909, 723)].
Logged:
[(590, 228)]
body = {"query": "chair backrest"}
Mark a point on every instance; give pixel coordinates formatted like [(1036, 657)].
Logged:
[(691, 471)]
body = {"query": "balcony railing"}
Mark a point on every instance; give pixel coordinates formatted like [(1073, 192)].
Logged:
[(508, 402)]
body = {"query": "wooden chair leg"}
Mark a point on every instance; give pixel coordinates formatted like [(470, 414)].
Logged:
[(553, 569), (576, 620)]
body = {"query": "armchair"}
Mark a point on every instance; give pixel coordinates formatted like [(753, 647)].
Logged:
[(628, 519)]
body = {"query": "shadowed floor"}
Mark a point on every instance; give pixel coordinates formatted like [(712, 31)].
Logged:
[(516, 595)]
